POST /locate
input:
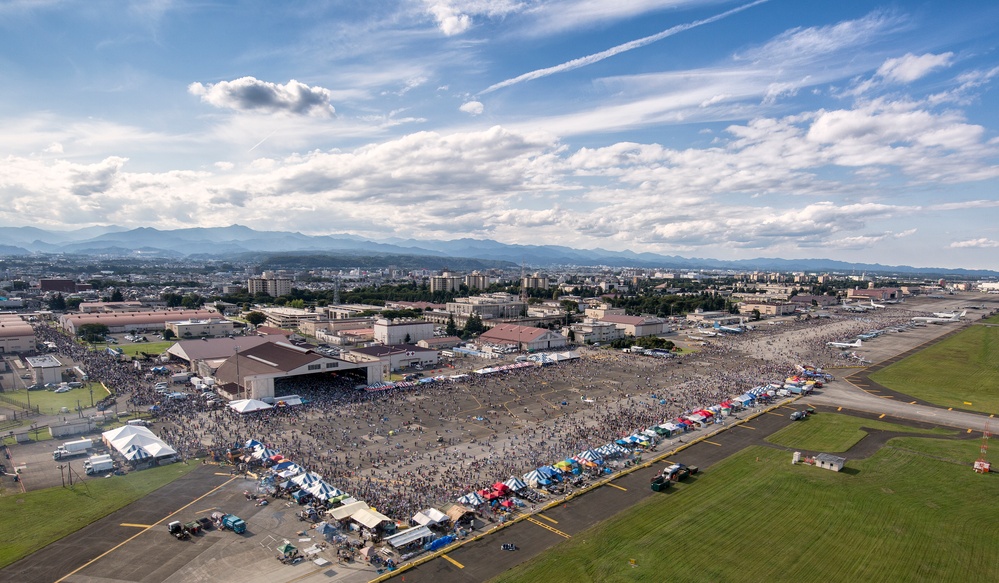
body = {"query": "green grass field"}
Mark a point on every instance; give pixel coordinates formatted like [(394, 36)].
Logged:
[(50, 403), (961, 371), (132, 349), (35, 519), (834, 433), (903, 515)]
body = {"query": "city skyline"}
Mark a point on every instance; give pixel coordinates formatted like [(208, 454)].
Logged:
[(858, 132)]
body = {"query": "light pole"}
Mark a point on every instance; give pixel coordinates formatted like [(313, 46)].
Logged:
[(239, 385)]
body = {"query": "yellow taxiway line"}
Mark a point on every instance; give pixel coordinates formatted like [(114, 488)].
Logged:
[(452, 561), (136, 525), (618, 487), (131, 538), (546, 527)]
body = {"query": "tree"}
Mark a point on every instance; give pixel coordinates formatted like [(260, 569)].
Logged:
[(168, 334), (255, 318), (756, 315), (407, 339), (474, 325), (116, 296), (58, 303), (92, 332), (451, 329), (73, 304)]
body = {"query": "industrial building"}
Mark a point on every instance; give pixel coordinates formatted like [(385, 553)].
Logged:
[(524, 337), (195, 328), (402, 331), (16, 335), (132, 321), (274, 369)]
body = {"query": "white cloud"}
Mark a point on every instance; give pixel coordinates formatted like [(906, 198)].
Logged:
[(453, 17), (981, 243), (908, 68), (561, 15), (472, 107), (800, 44), (251, 94), (53, 148)]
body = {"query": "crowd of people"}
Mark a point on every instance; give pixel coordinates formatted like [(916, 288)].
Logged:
[(405, 450)]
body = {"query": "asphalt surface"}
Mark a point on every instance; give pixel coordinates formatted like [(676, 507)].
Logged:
[(71, 553), (483, 559)]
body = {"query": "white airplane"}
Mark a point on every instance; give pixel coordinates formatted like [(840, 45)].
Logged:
[(845, 345), (939, 320), (875, 305), (585, 400), (853, 307), (731, 329), (944, 314), (706, 332)]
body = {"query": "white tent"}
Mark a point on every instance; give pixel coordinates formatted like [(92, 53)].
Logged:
[(369, 518), (429, 516), (307, 479), (135, 453), (132, 438), (346, 510), (248, 406), (472, 499)]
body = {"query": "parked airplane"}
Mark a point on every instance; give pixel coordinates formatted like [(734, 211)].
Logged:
[(944, 314), (707, 332), (876, 305), (730, 329), (585, 400), (939, 320), (854, 307), (845, 345)]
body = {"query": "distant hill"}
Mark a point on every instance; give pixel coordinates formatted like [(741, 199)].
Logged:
[(290, 249)]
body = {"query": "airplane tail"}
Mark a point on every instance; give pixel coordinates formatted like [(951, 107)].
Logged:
[(717, 326), (859, 343)]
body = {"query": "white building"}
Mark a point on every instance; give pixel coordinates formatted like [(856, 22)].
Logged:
[(637, 326), (270, 284), (445, 282), (592, 331), (196, 328), (402, 331), (16, 335)]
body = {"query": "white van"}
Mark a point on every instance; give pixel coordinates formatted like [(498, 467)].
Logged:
[(138, 422)]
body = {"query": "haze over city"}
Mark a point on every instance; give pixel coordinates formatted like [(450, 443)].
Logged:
[(855, 131)]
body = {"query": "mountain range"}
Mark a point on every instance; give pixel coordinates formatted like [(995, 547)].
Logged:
[(237, 242)]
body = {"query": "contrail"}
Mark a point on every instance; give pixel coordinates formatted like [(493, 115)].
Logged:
[(596, 57), (260, 142)]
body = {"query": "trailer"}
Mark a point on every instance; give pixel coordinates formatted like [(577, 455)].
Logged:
[(72, 449), (98, 464)]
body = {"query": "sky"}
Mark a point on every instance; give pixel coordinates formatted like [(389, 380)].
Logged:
[(856, 130)]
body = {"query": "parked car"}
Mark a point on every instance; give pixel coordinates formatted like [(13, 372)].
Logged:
[(61, 390)]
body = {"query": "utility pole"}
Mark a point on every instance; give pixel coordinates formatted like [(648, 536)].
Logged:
[(61, 475)]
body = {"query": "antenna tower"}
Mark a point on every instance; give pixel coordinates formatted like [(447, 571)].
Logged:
[(982, 465)]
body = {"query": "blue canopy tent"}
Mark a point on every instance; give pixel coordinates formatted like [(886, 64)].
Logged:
[(472, 499), (515, 484), (535, 477)]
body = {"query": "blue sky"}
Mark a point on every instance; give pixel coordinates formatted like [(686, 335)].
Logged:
[(854, 130)]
